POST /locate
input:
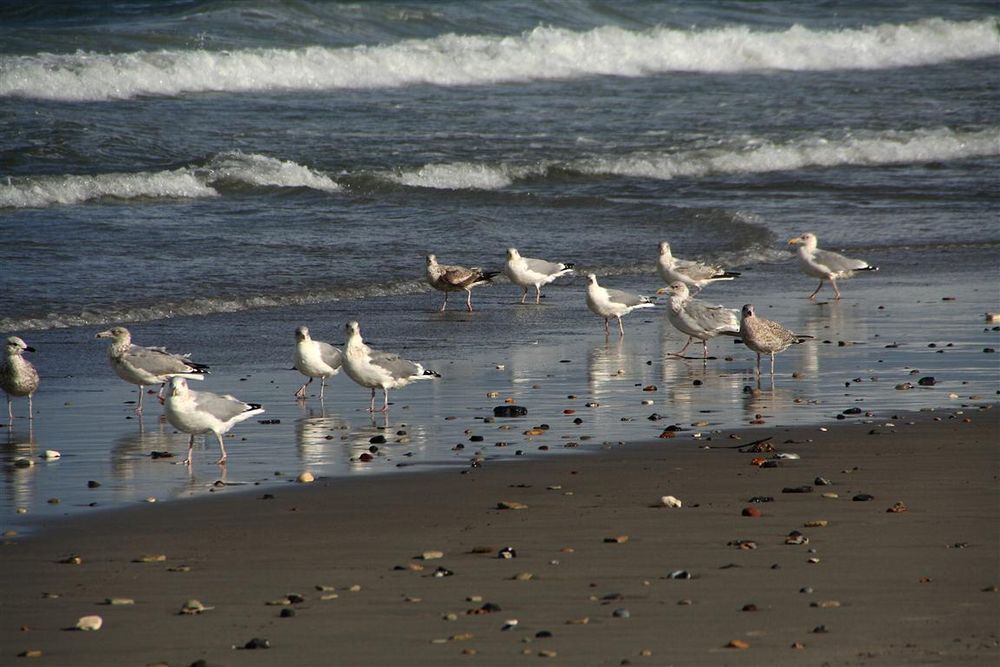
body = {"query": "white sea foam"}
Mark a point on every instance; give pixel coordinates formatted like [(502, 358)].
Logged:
[(455, 176), (760, 156), (455, 60), (186, 183)]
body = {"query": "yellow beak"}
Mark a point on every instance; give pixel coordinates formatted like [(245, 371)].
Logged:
[(794, 241)]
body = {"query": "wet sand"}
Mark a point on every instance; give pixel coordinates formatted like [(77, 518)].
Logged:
[(593, 550)]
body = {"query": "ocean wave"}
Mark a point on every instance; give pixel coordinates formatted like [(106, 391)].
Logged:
[(749, 155), (185, 183), (759, 156), (458, 60)]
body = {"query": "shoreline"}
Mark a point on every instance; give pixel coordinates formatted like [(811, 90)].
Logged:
[(907, 587)]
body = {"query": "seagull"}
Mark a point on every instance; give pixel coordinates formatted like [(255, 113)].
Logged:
[(527, 272), (147, 365), (691, 273), (314, 359), (197, 412), (452, 278), (824, 264), (608, 303), (371, 368), (17, 376), (698, 319), (765, 336)]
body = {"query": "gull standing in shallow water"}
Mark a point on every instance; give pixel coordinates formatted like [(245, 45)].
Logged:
[(608, 303), (147, 365), (17, 376), (825, 264), (765, 336), (197, 412), (452, 278), (692, 273), (697, 319), (526, 272), (371, 368), (314, 359)]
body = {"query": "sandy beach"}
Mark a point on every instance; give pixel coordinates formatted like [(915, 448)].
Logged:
[(408, 569)]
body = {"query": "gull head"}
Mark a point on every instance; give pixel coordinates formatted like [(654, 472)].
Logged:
[(592, 278), (665, 249), (431, 260), (807, 240), (301, 334), (178, 387), (119, 334), (512, 253), (17, 346), (747, 311), (678, 289), (353, 330)]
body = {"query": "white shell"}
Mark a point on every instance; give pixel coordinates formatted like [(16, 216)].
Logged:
[(670, 501), (50, 454), (89, 623), (305, 478)]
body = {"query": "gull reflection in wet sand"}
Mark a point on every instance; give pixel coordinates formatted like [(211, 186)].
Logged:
[(318, 435), (18, 458)]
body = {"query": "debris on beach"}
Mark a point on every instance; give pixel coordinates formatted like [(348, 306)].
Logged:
[(89, 623), (193, 608)]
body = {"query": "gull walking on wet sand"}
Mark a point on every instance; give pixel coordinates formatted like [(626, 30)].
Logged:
[(453, 278), (690, 272), (314, 359), (608, 303), (372, 368), (17, 376), (526, 272), (765, 336), (825, 264), (198, 412), (698, 319), (147, 365)]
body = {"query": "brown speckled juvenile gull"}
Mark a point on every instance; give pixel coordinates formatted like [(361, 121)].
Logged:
[(453, 278), (825, 264), (17, 376), (690, 272), (765, 336)]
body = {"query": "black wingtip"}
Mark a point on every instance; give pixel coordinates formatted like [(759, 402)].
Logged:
[(490, 275), (569, 265), (731, 274), (869, 268), (254, 406), (432, 373)]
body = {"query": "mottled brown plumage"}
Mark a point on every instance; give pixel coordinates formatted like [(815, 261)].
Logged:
[(452, 278), (764, 336), (17, 376)]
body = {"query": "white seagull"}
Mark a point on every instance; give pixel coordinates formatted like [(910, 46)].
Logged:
[(453, 278), (526, 272), (825, 264), (371, 368), (698, 319), (147, 365), (17, 376), (764, 336), (314, 359), (608, 303), (690, 272), (198, 412)]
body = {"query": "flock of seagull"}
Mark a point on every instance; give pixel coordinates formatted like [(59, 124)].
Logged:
[(203, 412)]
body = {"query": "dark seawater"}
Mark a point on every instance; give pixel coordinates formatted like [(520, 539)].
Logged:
[(212, 174)]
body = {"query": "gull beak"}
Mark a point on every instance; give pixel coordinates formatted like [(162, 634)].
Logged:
[(794, 241), (29, 349), (663, 290)]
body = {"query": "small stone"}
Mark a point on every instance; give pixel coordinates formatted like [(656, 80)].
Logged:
[(818, 523), (670, 501), (927, 381), (89, 623), (738, 644), (257, 643), (30, 653), (826, 604), (510, 411), (193, 608), (511, 505), (305, 478), (92, 484), (617, 539), (797, 645), (749, 607), (432, 555), (523, 576), (751, 512), (51, 455), (897, 507), (621, 612), (546, 653), (863, 497), (679, 574), (119, 602), (286, 613), (150, 558), (72, 559)]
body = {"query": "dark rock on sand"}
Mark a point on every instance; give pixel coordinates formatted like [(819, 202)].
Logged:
[(510, 411)]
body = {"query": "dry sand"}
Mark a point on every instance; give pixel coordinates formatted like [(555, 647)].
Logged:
[(889, 588)]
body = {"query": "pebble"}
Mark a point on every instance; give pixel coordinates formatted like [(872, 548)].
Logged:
[(305, 478), (617, 539), (510, 411), (257, 643), (150, 558), (432, 555), (897, 507), (511, 505), (670, 501), (738, 644), (523, 576), (51, 454), (193, 608), (751, 512), (825, 604), (621, 612), (818, 523), (546, 653), (119, 602), (863, 497), (679, 574), (30, 653), (89, 623)]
